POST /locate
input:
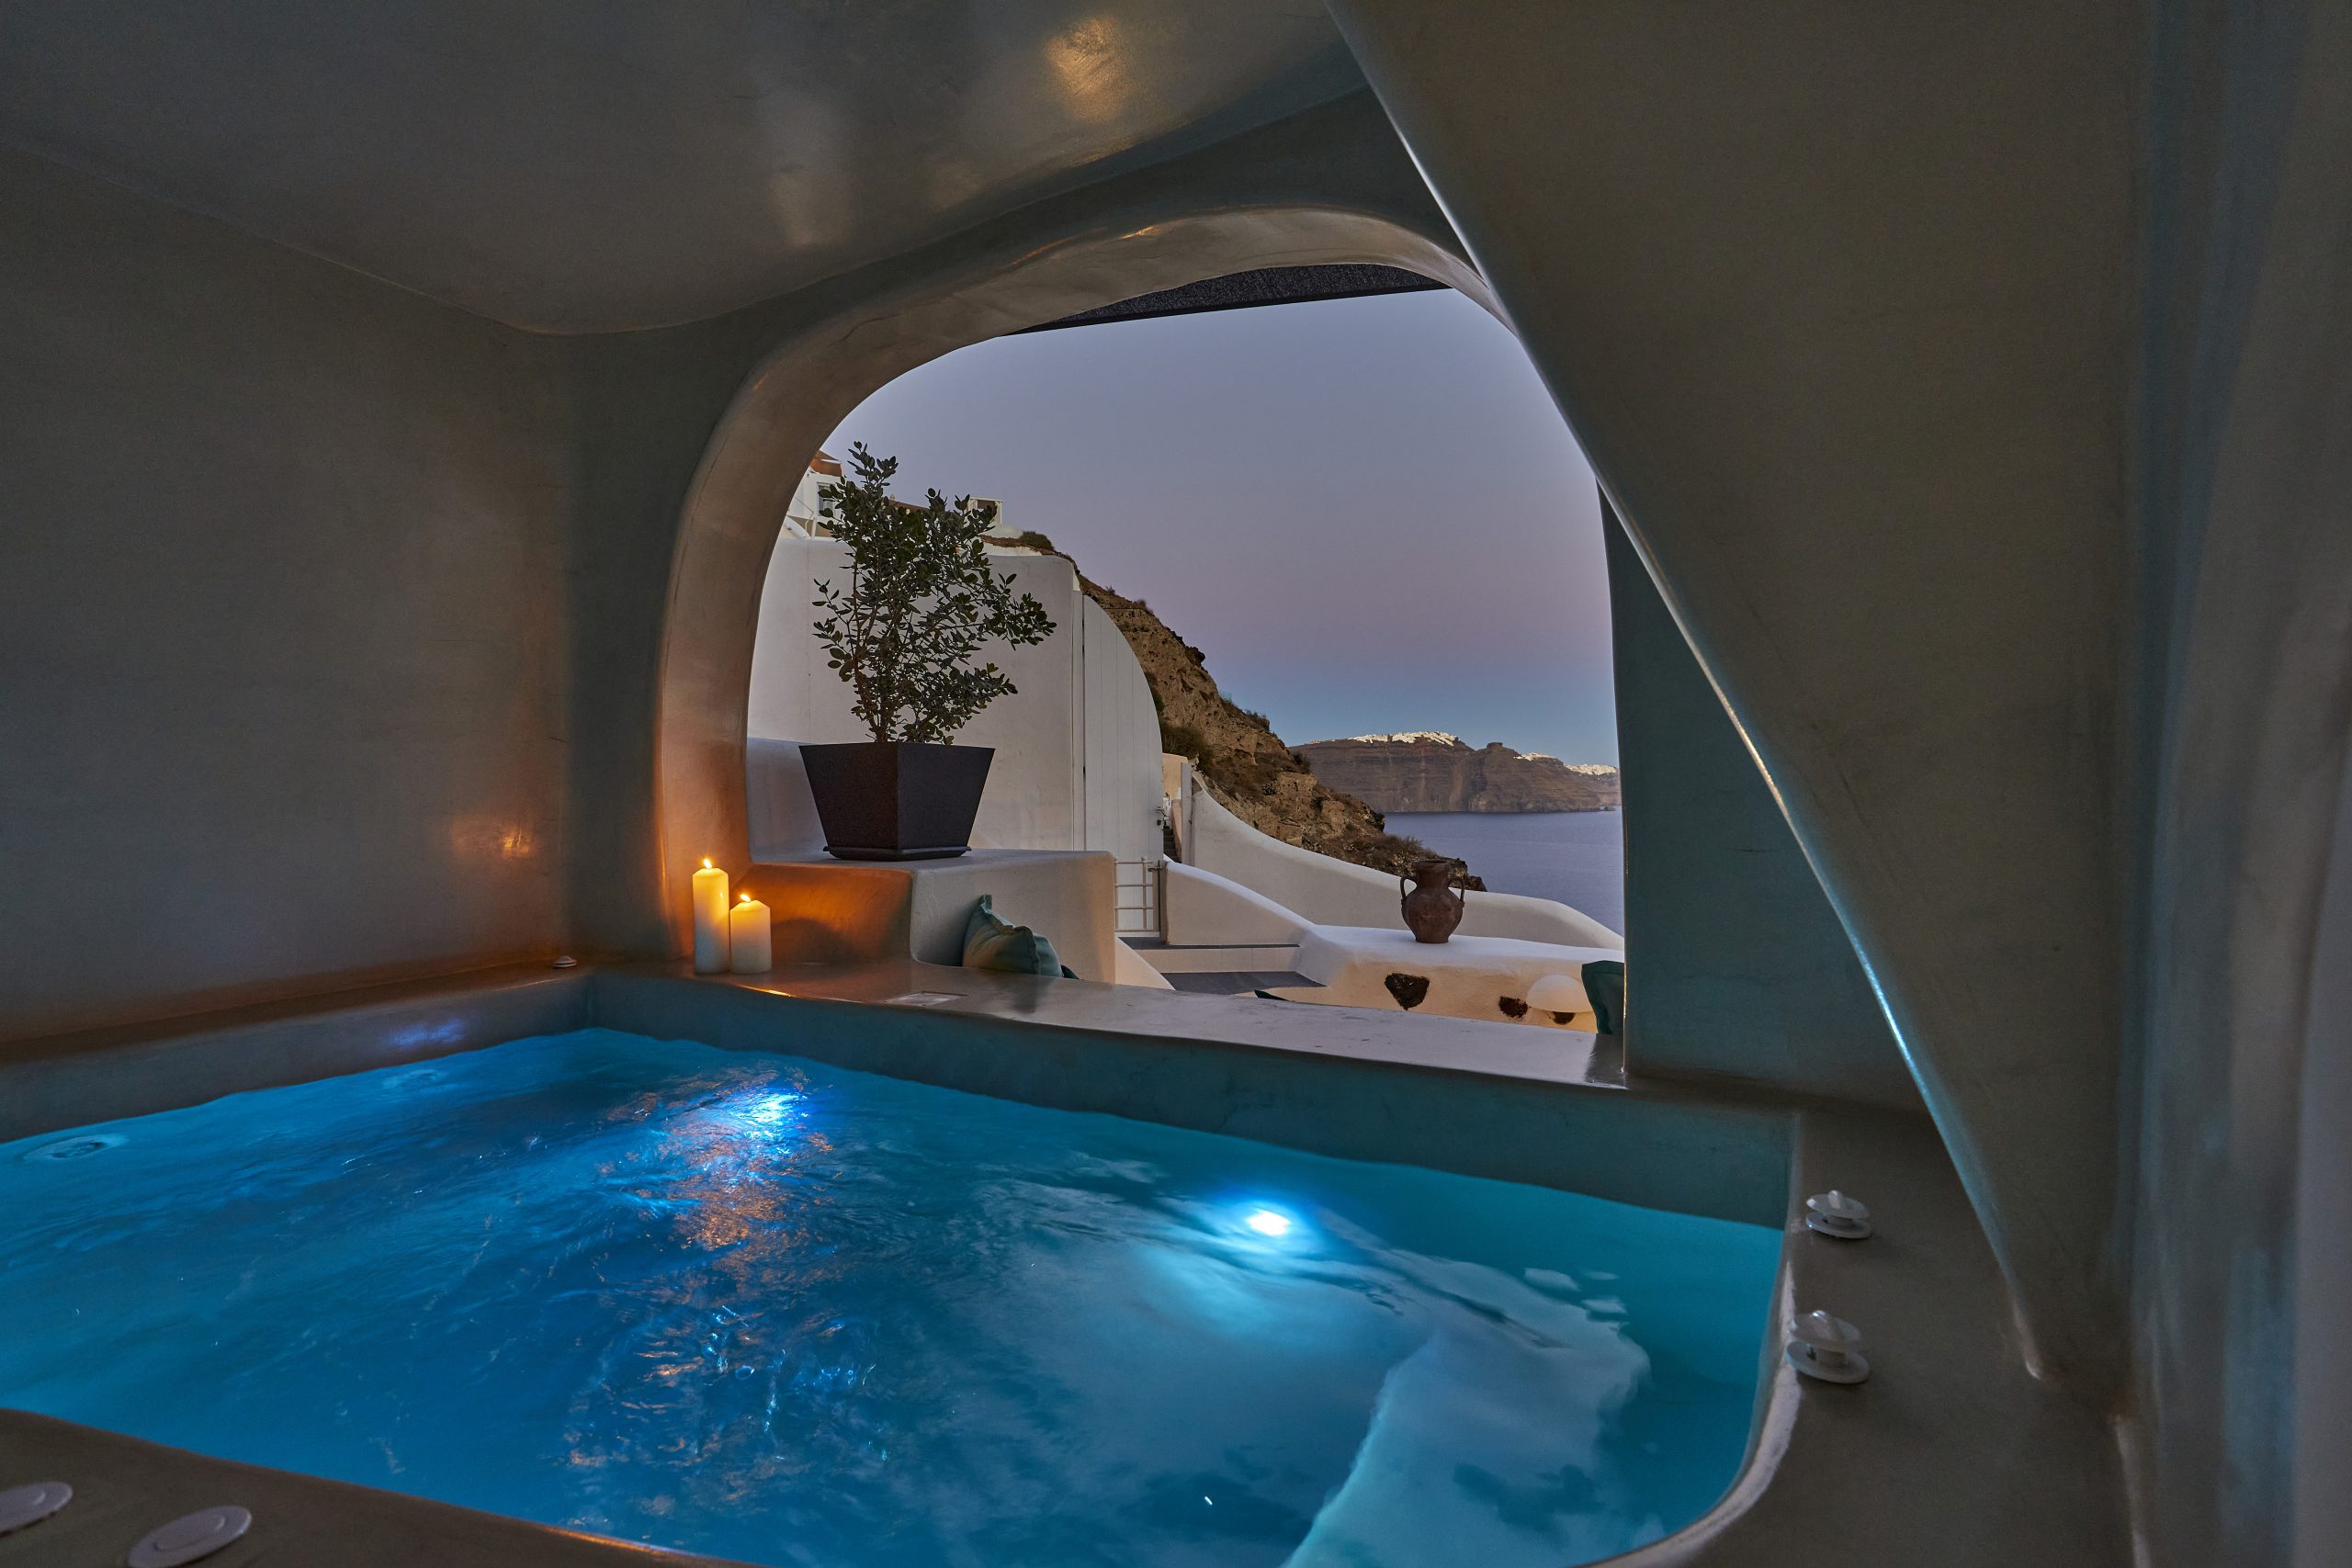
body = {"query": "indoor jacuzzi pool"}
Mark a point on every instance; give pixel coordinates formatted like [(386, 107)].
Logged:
[(757, 1307)]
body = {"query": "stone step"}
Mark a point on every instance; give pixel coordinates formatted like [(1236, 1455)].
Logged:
[(1243, 983), (1215, 960)]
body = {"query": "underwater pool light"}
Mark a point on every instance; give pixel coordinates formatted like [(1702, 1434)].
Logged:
[(769, 1110), (80, 1147)]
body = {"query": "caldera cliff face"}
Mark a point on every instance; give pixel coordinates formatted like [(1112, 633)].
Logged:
[(1430, 771)]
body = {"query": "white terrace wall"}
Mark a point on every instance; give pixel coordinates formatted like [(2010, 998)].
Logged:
[(1328, 891)]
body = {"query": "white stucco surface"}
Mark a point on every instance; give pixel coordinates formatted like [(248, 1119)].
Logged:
[(1337, 893), (836, 911), (1469, 977), (1127, 968), (1200, 909)]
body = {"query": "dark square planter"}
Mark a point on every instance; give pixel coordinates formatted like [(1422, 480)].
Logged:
[(897, 799)]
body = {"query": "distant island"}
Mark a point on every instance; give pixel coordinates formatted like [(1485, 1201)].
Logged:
[(1428, 769)]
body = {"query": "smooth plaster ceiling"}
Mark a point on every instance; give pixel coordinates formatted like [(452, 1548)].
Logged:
[(575, 165)]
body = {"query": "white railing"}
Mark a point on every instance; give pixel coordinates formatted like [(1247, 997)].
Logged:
[(1139, 901)]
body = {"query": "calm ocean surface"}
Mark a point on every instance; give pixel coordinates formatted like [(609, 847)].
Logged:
[(1576, 857)]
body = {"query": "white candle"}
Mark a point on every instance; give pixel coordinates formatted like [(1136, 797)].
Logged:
[(710, 920), (749, 938)]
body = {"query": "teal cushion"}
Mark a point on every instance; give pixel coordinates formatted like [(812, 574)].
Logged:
[(1604, 987), (991, 943)]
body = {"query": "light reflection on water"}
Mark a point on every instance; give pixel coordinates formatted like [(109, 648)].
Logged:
[(765, 1309)]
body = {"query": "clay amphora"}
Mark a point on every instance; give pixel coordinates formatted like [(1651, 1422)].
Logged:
[(1433, 906)]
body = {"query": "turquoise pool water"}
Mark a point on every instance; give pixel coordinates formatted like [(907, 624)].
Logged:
[(759, 1307)]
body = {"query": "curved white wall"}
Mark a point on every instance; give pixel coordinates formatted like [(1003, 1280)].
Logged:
[(1336, 893), (1118, 741), (1200, 908), (1127, 968)]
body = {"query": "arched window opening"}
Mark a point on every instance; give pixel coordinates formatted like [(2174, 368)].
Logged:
[(1330, 602)]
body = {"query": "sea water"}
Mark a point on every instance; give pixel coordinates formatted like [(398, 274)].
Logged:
[(767, 1309), (1576, 857)]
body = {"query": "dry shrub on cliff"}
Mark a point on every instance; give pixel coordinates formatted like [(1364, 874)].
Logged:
[(1182, 740), (1239, 760)]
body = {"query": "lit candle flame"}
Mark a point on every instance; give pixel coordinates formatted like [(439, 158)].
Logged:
[(705, 863)]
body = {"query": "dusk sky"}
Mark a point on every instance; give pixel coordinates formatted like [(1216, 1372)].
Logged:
[(1366, 513)]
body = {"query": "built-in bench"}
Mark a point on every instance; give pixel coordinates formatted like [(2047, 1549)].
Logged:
[(843, 911)]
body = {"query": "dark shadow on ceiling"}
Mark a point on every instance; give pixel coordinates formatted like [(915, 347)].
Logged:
[(1247, 291)]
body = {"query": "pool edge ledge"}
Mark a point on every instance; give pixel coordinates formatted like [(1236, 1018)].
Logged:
[(68, 1080), (1953, 1452), (125, 1486), (1662, 1150)]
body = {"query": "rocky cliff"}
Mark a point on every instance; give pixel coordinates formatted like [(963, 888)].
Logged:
[(1235, 754), (1430, 771)]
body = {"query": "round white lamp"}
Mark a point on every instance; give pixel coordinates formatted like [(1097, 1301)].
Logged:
[(190, 1538), (1837, 1214), (1558, 995), (1827, 1348), (22, 1505)]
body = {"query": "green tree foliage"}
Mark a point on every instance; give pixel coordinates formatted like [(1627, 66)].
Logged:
[(907, 633)]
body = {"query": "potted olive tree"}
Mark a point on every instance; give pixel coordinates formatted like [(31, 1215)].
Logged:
[(906, 634)]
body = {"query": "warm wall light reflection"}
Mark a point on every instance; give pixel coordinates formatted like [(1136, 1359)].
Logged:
[(1092, 68), (486, 838)]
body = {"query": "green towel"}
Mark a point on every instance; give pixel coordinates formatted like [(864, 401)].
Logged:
[(1604, 987)]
